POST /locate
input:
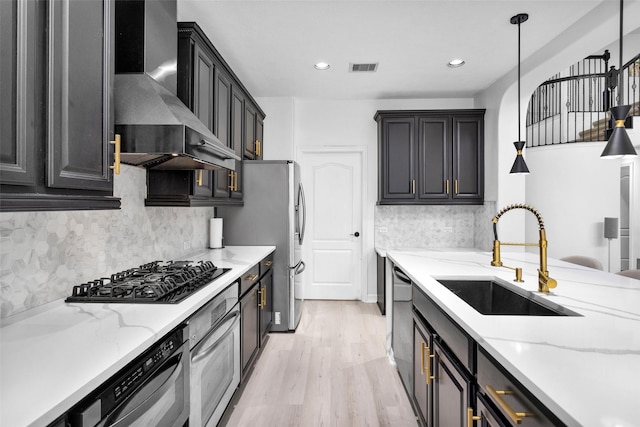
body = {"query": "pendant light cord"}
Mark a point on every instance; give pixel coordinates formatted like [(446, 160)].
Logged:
[(519, 78), (620, 77)]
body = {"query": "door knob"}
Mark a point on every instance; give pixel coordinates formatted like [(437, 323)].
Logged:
[(356, 234)]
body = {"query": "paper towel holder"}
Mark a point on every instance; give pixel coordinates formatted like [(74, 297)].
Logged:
[(216, 237)]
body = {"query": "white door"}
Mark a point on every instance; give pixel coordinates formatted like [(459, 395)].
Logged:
[(333, 248)]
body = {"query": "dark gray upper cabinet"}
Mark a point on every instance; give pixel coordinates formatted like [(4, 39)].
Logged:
[(430, 157), (208, 86), (57, 118)]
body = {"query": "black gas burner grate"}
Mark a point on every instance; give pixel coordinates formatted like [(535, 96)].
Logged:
[(155, 282)]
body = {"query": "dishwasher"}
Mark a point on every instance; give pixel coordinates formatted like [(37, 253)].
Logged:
[(215, 357), (402, 327)]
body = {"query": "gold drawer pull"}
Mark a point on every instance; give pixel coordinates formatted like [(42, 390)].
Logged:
[(251, 277), (516, 417), (471, 418), (268, 263), (116, 155)]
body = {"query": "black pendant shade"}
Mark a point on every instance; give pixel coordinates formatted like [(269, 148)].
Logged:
[(619, 144), (519, 165)]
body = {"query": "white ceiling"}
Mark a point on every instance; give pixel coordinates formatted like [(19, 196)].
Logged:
[(272, 45)]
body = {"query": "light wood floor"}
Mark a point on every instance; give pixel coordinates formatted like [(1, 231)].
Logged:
[(333, 371)]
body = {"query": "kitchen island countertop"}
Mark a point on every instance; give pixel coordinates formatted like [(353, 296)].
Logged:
[(51, 357), (585, 369)]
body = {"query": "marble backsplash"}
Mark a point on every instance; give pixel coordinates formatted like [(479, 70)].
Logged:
[(44, 254), (434, 226)]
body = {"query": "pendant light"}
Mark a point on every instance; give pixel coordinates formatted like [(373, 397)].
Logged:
[(619, 145), (519, 165)]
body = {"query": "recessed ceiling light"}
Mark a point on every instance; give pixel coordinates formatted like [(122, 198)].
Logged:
[(455, 63), (322, 66)]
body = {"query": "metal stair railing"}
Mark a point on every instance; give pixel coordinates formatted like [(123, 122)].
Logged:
[(574, 107)]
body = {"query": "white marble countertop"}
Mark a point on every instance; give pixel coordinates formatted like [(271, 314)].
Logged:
[(585, 369), (53, 356)]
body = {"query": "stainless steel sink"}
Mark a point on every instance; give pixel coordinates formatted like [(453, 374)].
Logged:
[(490, 297)]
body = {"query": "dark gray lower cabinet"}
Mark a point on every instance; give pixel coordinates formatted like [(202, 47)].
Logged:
[(422, 373), (249, 328), (452, 389), (456, 383), (265, 304)]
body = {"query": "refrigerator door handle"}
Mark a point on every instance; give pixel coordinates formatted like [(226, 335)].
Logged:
[(298, 268), (301, 208)]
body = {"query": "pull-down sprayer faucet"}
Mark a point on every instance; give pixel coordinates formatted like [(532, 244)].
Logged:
[(544, 281)]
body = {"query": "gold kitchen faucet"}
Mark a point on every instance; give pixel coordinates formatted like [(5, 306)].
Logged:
[(544, 281)]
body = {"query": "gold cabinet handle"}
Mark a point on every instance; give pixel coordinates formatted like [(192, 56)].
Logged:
[(426, 367), (235, 181), (516, 417), (258, 148), (260, 298), (231, 180), (268, 263), (455, 186), (251, 277), (413, 186), (199, 177), (264, 296), (471, 418), (446, 187), (116, 155)]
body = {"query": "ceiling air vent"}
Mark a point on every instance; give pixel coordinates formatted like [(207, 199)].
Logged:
[(363, 68)]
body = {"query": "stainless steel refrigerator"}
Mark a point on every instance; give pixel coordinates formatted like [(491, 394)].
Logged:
[(273, 214)]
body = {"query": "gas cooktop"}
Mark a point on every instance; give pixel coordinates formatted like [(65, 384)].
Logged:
[(156, 282)]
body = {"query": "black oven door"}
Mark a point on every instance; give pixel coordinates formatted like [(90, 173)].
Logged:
[(162, 400)]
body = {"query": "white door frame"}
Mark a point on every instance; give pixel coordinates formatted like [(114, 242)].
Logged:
[(366, 240)]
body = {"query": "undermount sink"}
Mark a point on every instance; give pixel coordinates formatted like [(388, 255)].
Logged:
[(490, 297)]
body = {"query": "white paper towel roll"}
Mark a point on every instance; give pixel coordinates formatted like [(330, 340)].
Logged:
[(215, 233)]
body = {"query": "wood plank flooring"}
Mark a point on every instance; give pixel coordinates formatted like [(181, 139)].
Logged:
[(333, 371)]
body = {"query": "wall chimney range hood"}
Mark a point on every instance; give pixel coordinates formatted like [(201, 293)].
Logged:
[(158, 131)]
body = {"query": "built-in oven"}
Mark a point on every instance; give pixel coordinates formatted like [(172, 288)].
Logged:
[(215, 357), (153, 390)]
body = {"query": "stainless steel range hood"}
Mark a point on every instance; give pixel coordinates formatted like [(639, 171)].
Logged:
[(157, 130)]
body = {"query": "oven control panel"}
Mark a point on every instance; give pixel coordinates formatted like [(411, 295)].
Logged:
[(148, 363)]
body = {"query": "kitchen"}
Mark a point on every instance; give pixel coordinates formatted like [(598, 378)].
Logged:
[(70, 247)]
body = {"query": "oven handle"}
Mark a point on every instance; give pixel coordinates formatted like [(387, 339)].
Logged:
[(200, 353), (148, 401)]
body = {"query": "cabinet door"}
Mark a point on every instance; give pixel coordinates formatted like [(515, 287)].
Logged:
[(434, 157), (237, 121), (202, 183), (79, 107), (203, 87), (259, 136), (397, 154), (266, 304), (249, 325), (487, 417), (451, 392), (223, 108), (236, 191), (422, 374), (468, 155), (249, 131), (17, 87)]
